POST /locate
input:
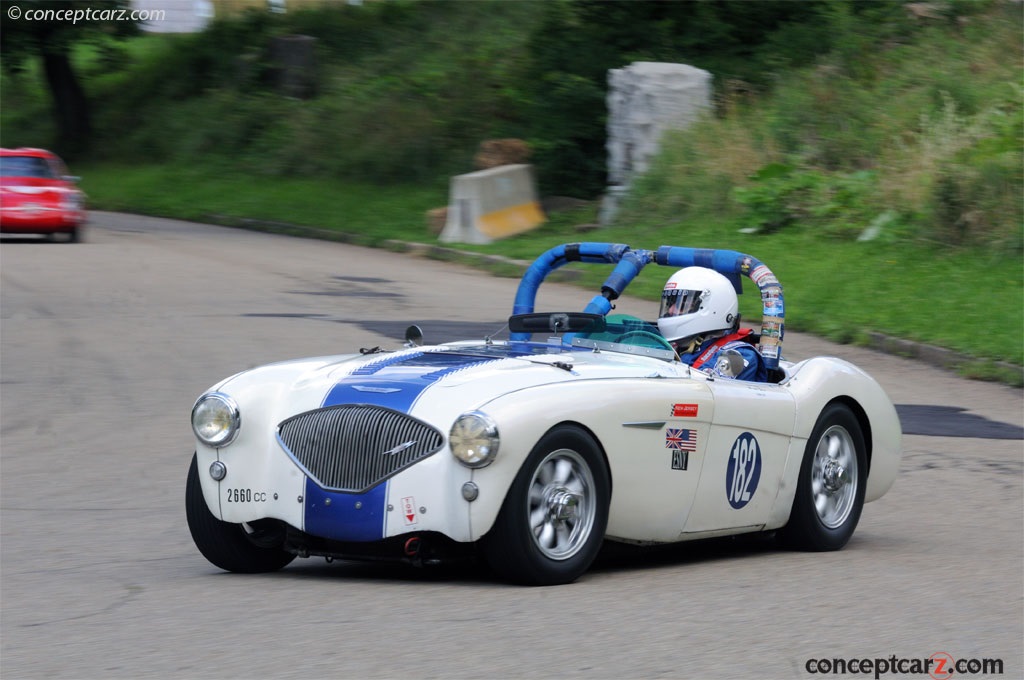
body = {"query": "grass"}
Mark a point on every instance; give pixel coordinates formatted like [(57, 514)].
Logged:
[(362, 213), (968, 301), (916, 132)]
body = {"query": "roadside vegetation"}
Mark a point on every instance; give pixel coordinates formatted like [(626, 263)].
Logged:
[(870, 154)]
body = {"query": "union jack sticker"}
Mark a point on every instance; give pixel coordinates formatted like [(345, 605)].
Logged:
[(684, 440)]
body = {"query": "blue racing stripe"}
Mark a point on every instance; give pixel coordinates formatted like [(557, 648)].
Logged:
[(397, 381), (345, 516), (394, 382)]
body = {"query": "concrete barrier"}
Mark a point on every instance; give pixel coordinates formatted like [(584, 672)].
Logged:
[(489, 205)]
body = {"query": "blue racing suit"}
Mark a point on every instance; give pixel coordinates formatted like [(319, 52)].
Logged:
[(707, 355)]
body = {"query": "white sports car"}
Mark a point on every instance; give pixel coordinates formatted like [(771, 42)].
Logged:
[(531, 451)]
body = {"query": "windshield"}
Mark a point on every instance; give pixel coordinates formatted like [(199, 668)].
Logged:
[(628, 334), (25, 166)]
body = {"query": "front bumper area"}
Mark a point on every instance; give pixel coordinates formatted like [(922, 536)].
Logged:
[(418, 549), (14, 221)]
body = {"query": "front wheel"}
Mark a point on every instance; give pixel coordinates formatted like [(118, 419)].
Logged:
[(830, 490), (552, 523), (244, 548)]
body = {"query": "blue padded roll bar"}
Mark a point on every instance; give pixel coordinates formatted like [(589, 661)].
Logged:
[(629, 262), (599, 253)]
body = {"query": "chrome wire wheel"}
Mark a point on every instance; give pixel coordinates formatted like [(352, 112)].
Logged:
[(834, 476), (561, 504)]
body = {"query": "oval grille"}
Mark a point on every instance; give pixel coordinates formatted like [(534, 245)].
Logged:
[(355, 447)]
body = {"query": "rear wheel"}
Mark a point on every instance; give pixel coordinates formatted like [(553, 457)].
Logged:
[(245, 548), (830, 491), (552, 523)]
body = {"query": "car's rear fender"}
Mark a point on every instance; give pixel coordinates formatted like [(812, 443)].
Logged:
[(817, 382)]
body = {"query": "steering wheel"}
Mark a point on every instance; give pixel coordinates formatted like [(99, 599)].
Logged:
[(658, 340)]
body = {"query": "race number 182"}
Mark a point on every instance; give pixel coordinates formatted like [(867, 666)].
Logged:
[(744, 470)]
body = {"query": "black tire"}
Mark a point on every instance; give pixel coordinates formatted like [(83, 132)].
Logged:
[(565, 484), (829, 523), (75, 235), (230, 546)]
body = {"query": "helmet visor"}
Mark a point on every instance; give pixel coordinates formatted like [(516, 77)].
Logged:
[(678, 302)]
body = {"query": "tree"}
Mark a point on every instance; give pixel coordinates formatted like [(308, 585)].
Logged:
[(48, 31), (579, 40)]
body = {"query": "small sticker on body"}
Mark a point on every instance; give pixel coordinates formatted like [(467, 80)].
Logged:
[(684, 410), (680, 459), (409, 510)]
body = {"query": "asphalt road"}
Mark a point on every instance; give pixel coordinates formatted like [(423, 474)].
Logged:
[(105, 345)]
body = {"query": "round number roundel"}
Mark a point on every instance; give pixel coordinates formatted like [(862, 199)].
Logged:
[(744, 470)]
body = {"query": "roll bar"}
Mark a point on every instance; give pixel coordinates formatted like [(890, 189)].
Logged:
[(629, 262)]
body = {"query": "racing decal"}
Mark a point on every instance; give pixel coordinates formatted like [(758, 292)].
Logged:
[(684, 440), (680, 459), (744, 471), (681, 442), (409, 510), (772, 327), (684, 410), (762, 276), (771, 299)]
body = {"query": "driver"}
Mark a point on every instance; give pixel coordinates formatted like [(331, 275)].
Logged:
[(700, 317)]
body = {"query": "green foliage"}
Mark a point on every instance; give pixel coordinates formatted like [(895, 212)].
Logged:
[(578, 41), (352, 211), (834, 122), (839, 205)]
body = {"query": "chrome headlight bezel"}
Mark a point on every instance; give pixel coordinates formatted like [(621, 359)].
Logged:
[(216, 419), (474, 440)]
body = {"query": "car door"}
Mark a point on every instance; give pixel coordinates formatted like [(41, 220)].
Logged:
[(747, 449), (654, 434)]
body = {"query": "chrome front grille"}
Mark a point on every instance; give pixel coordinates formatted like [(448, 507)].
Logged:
[(355, 447)]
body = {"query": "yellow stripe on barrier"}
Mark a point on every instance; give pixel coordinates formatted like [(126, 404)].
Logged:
[(512, 220)]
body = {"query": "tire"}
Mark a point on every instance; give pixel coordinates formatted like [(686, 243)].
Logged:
[(240, 548), (830, 490), (552, 523)]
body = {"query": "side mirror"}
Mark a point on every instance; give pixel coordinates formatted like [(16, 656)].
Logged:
[(729, 364), (413, 336)]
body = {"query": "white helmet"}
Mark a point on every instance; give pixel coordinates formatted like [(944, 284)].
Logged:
[(696, 300)]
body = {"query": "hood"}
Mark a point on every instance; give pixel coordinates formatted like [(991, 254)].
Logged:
[(35, 185), (434, 383)]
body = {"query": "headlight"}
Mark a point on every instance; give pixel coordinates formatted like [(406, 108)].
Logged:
[(215, 419), (474, 439), (70, 202)]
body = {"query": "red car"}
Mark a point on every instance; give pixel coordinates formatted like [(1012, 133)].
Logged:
[(37, 196)]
